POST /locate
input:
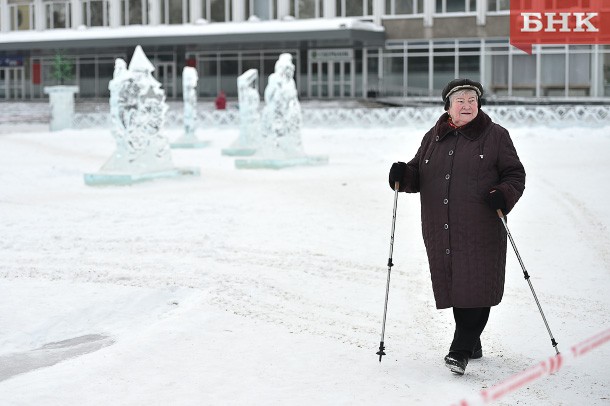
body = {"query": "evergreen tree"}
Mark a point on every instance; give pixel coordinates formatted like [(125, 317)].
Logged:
[(62, 69)]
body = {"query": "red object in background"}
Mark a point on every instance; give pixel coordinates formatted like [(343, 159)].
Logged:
[(192, 62), (36, 73), (221, 101)]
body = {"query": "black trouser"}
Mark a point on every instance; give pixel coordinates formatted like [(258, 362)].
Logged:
[(469, 324)]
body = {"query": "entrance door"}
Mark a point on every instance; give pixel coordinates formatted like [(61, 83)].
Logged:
[(12, 83), (165, 73), (331, 74)]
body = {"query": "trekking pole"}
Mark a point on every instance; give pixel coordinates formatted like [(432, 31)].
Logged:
[(527, 278), (390, 264)]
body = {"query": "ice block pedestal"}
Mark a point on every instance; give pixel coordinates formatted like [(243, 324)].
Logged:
[(61, 99)]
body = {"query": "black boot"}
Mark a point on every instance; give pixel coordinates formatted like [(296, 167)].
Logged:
[(478, 351), (456, 362)]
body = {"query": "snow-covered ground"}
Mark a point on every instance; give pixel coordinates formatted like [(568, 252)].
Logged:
[(267, 287)]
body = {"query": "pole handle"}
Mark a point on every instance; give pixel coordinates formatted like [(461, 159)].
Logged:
[(396, 185), (500, 214)]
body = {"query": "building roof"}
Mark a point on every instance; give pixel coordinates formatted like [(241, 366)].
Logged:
[(202, 33)]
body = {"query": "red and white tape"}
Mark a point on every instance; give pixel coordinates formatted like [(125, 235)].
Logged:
[(547, 367)]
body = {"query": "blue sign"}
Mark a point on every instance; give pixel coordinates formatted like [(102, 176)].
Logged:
[(11, 61)]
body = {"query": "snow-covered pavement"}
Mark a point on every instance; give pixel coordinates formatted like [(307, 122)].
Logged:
[(246, 287)]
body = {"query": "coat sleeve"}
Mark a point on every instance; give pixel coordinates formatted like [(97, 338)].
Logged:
[(511, 172), (410, 182)]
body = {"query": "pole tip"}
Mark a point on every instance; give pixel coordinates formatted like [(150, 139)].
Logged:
[(381, 353)]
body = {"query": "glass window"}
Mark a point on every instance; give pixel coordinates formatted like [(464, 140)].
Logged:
[(134, 12), (217, 10), (498, 5), (579, 76), (208, 73), (356, 8), (398, 7), (174, 11), (21, 15), (263, 9), (455, 6), (228, 75), (417, 76), (554, 68), (250, 63), (58, 14), (606, 74), (95, 13), (499, 74), (393, 75), (524, 75), (372, 78), (470, 67), (105, 70), (86, 78), (306, 8), (444, 71)]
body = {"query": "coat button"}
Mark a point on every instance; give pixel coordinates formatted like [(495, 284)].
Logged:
[(451, 152), (437, 137), (445, 201), (446, 226), (447, 176), (447, 251)]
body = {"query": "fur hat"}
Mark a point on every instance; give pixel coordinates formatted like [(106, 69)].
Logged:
[(461, 84)]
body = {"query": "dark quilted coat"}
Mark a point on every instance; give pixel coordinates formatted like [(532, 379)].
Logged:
[(454, 170)]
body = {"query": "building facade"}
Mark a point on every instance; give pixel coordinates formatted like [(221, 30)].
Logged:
[(341, 48)]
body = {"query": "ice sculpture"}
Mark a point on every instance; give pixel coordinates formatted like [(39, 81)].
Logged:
[(280, 144), (137, 112), (189, 95), (249, 116), (61, 99)]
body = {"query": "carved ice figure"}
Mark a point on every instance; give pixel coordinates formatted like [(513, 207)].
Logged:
[(281, 145), (249, 100), (189, 95), (281, 126), (249, 121), (118, 129), (137, 112), (137, 109)]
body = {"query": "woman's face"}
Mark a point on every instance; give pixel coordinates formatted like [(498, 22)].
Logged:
[(464, 107)]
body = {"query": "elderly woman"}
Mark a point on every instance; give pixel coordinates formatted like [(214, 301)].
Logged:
[(465, 169)]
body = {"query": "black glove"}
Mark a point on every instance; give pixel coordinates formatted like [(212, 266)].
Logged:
[(397, 172), (496, 200)]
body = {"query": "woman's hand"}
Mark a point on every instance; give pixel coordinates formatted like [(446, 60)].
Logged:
[(397, 172), (496, 200)]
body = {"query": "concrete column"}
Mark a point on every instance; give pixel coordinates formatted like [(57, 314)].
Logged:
[(481, 12), (154, 12), (114, 13), (195, 10), (596, 70), (378, 10), (239, 10), (77, 13), (329, 9), (4, 17), (428, 12), (39, 15), (283, 8), (365, 73)]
